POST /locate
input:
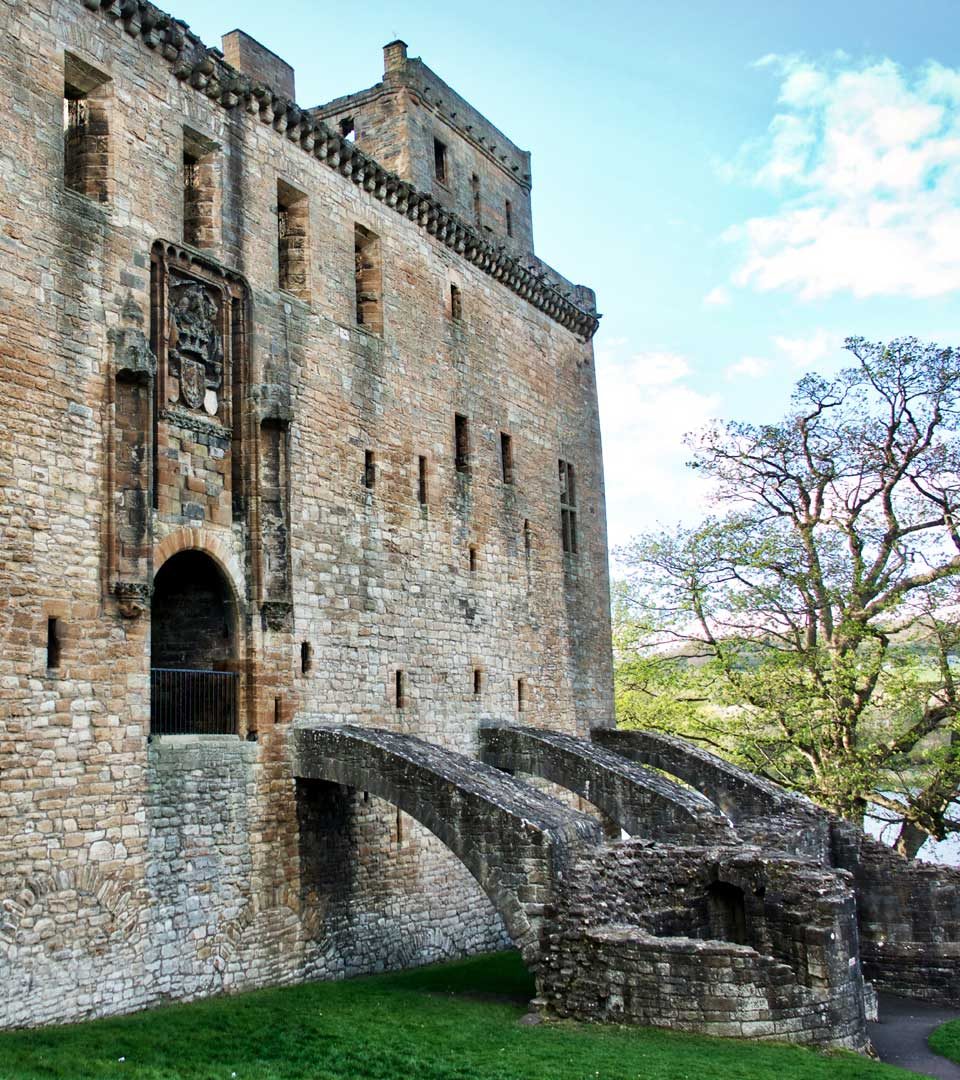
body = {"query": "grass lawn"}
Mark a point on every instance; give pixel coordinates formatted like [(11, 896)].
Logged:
[(946, 1040), (451, 1022)]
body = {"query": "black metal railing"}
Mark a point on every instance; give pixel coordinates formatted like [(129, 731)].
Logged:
[(186, 701)]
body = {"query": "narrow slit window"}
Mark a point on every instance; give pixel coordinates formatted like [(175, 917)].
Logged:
[(477, 681), (527, 538), (398, 689), (306, 657), (86, 129), (369, 469), (508, 213), (475, 187), (440, 160), (521, 695), (462, 443), (293, 213), (53, 643), (369, 282), (568, 509), (456, 303), (399, 825), (422, 480), (506, 458), (473, 559)]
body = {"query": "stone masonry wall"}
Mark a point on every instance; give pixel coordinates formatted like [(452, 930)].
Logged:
[(717, 940), (135, 429)]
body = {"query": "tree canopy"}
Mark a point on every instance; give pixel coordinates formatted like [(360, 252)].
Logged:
[(810, 625)]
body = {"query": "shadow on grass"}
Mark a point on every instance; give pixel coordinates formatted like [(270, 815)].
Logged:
[(426, 1024)]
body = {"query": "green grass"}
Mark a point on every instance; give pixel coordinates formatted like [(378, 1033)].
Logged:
[(946, 1040), (452, 1022)]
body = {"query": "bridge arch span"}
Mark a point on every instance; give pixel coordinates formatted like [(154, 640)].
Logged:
[(519, 844)]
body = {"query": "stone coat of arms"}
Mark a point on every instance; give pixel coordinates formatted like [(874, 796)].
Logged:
[(195, 356)]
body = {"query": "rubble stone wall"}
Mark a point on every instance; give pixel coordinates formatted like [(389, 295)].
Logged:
[(648, 935)]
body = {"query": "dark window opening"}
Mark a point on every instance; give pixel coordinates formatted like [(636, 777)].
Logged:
[(506, 457), (456, 303), (440, 161), (348, 129), (53, 643), (369, 469), (568, 509), (200, 209), (86, 130), (399, 825), (527, 537), (398, 689), (509, 217), (521, 695), (462, 441), (727, 913), (277, 709), (293, 212), (473, 559), (422, 480), (368, 279), (475, 186), (306, 657), (477, 681)]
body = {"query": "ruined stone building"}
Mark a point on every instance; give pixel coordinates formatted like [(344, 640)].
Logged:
[(303, 570)]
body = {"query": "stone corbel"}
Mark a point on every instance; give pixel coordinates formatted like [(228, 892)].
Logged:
[(133, 597), (134, 357)]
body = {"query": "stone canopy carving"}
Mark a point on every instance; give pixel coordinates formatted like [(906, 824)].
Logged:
[(195, 348)]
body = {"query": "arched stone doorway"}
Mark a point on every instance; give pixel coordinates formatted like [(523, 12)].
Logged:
[(194, 649)]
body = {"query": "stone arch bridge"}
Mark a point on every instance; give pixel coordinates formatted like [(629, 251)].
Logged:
[(731, 921)]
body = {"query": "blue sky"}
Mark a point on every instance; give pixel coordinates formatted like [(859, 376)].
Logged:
[(743, 183)]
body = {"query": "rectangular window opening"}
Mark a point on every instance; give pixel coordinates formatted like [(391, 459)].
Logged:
[(201, 210), (53, 643), (506, 457), (422, 480), (369, 469), (473, 559), (509, 216), (475, 187), (477, 682), (456, 303), (399, 825), (527, 538), (462, 441), (521, 695), (398, 689), (440, 161), (369, 283), (306, 657), (86, 129), (348, 129), (568, 511), (293, 214)]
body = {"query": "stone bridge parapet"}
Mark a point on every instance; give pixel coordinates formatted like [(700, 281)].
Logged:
[(519, 844), (641, 801), (762, 812)]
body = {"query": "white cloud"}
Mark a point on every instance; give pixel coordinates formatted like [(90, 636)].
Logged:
[(645, 410), (866, 159), (747, 367), (718, 297), (811, 352)]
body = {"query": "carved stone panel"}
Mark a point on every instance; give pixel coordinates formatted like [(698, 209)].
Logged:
[(195, 344)]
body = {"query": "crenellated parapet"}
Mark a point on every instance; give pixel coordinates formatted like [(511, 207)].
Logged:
[(206, 70)]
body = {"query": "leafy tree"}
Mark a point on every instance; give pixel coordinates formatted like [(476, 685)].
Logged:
[(808, 627)]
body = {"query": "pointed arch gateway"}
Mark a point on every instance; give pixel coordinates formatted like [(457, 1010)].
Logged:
[(195, 648)]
